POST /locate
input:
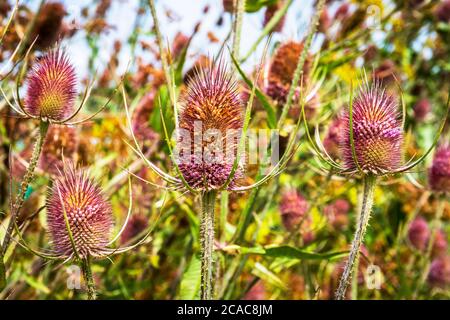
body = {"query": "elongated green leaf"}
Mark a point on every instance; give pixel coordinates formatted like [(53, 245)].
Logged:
[(190, 283)]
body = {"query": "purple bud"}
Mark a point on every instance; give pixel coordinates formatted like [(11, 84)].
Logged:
[(421, 109)]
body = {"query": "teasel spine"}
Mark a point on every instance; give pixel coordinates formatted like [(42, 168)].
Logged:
[(207, 244), (29, 175), (362, 223)]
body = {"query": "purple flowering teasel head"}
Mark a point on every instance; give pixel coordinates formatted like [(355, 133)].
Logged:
[(78, 215), (377, 132), (211, 104), (51, 88)]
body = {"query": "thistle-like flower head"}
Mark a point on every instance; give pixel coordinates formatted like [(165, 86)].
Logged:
[(136, 225), (76, 196), (212, 120), (51, 87), (377, 132), (439, 175)]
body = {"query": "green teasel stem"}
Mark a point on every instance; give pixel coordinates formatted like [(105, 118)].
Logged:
[(237, 27), (27, 179), (87, 273), (361, 226), (207, 244), (301, 62), (2, 272)]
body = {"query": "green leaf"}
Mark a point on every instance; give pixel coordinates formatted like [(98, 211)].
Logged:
[(289, 252), (190, 283)]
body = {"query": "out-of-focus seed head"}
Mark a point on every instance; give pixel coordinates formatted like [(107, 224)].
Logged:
[(421, 109), (337, 213), (443, 11), (439, 174), (257, 292), (440, 244), (88, 214), (270, 12), (135, 226), (61, 142), (377, 132), (331, 142), (439, 275), (211, 102), (49, 24), (419, 233), (179, 43), (51, 87), (141, 123), (228, 5), (293, 208), (282, 69)]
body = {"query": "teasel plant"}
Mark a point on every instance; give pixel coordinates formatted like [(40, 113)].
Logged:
[(80, 223), (371, 145), (211, 98), (50, 99)]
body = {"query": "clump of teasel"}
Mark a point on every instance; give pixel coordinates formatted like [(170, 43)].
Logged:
[(282, 69), (78, 198), (49, 24), (439, 173), (213, 101), (377, 133), (51, 87)]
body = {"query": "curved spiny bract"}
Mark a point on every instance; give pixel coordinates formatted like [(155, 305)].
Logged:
[(51, 87), (377, 133), (75, 195)]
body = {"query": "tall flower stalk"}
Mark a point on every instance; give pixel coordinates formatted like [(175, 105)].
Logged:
[(207, 244)]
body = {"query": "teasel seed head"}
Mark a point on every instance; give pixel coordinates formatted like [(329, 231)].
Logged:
[(377, 132), (337, 213), (440, 244), (439, 275), (439, 174), (419, 233), (293, 208), (49, 24), (213, 101), (51, 87), (89, 215)]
